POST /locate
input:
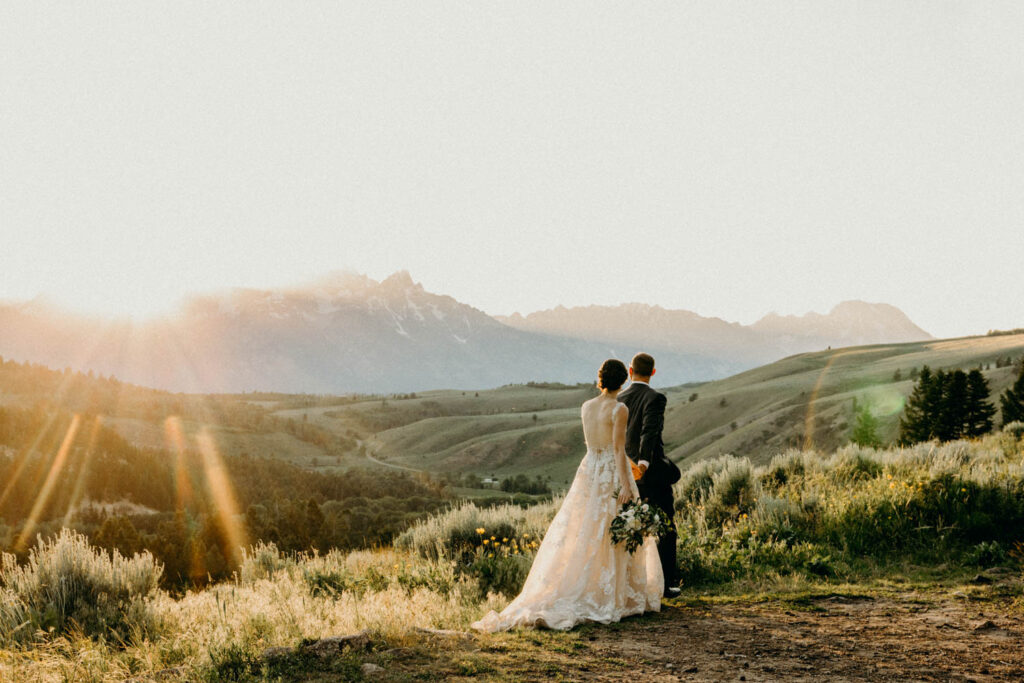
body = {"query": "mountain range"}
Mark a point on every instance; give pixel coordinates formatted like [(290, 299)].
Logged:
[(350, 333), (851, 323)]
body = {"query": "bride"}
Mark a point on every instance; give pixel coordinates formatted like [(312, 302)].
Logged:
[(578, 574)]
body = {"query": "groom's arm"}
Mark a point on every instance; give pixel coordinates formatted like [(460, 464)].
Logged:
[(650, 428)]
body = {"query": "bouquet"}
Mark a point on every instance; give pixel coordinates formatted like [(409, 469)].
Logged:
[(637, 520)]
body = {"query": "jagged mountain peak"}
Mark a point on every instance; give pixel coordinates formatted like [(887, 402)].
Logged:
[(349, 332), (849, 322), (400, 280)]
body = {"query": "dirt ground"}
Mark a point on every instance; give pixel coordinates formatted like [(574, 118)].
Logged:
[(905, 637)]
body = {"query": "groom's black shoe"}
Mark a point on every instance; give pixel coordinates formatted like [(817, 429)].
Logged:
[(672, 592)]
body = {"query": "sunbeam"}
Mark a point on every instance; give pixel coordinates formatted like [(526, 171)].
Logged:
[(175, 437), (810, 415), (51, 480), (25, 456), (223, 495), (83, 469)]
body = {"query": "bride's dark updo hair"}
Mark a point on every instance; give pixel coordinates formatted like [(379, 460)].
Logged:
[(612, 375)]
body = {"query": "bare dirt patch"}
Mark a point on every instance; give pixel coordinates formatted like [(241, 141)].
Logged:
[(825, 638)]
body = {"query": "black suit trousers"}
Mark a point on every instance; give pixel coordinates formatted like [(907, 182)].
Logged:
[(661, 496)]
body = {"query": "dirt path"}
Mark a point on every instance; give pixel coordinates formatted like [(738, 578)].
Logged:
[(829, 638), (838, 639), (369, 456)]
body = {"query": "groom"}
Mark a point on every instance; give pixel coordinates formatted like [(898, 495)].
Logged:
[(644, 447)]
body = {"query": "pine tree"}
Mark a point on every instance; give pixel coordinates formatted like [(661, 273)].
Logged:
[(1012, 402), (865, 431), (952, 412), (979, 411), (915, 424)]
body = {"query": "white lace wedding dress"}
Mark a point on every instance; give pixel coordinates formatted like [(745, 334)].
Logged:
[(578, 575)]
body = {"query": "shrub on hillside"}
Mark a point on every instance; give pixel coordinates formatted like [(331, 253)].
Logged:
[(262, 561), (961, 501), (854, 463), (783, 468), (67, 584), (734, 492), (696, 483), (1015, 429), (454, 534), (500, 572)]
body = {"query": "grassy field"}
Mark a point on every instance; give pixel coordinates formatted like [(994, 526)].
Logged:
[(805, 401), (822, 562)]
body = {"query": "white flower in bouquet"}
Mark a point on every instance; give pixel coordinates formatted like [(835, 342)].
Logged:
[(635, 522)]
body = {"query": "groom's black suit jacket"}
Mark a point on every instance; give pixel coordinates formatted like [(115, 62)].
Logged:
[(643, 442)]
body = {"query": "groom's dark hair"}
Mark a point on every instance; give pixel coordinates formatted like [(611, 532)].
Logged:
[(642, 364), (612, 374)]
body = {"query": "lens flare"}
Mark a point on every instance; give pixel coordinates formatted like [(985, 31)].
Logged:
[(223, 495), (83, 469), (175, 436), (51, 480), (25, 456), (810, 415)]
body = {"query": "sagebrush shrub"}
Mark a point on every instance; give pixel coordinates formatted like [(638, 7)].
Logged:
[(734, 492), (783, 468), (854, 463), (67, 584), (455, 533), (262, 561), (959, 502), (696, 483), (498, 573), (1015, 429)]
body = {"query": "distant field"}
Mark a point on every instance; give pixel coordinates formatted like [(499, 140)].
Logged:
[(807, 400), (495, 433), (803, 400)]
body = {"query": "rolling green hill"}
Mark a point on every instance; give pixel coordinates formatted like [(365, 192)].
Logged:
[(805, 400)]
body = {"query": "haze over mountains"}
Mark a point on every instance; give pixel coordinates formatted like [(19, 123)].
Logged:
[(851, 323), (350, 333)]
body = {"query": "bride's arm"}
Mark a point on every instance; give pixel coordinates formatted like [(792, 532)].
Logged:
[(619, 419)]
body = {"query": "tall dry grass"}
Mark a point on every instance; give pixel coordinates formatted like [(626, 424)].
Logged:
[(828, 514), (75, 613), (67, 585)]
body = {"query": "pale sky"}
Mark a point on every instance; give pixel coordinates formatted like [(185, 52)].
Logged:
[(727, 158)]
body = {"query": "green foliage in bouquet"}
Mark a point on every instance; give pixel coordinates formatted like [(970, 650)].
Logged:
[(635, 521)]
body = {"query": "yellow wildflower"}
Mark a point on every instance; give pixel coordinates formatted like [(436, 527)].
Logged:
[(480, 530)]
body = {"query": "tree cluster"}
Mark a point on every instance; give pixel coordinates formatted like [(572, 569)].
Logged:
[(1012, 401), (523, 484), (58, 470), (947, 406), (1007, 361)]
